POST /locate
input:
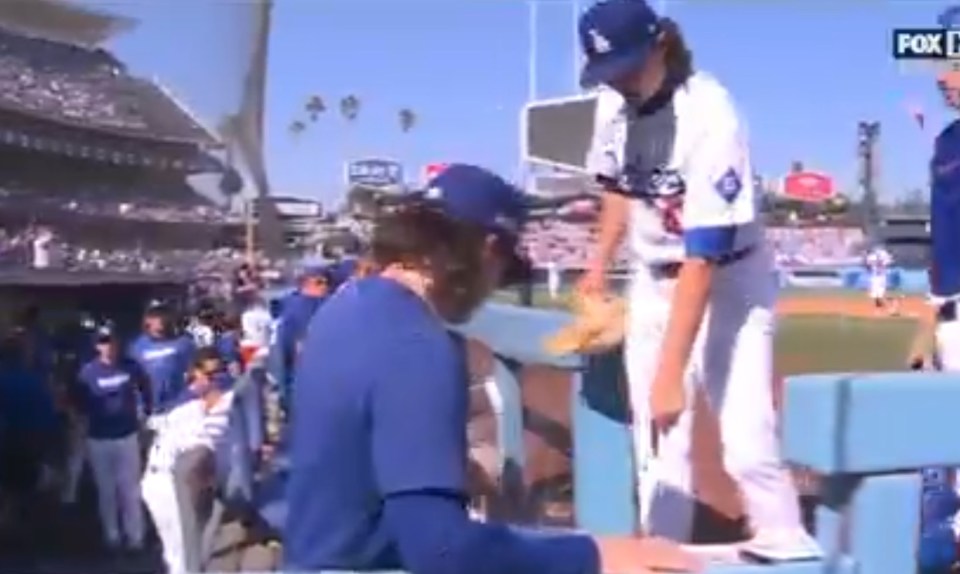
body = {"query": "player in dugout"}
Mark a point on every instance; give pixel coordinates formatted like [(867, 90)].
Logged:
[(296, 311), (378, 468)]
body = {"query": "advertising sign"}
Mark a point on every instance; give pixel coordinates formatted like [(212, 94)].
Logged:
[(808, 186), (377, 173)]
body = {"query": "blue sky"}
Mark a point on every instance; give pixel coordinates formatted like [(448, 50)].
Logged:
[(803, 72)]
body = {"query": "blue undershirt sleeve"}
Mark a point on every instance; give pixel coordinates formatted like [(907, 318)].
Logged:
[(435, 535)]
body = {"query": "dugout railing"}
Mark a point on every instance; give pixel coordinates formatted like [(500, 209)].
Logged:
[(865, 435)]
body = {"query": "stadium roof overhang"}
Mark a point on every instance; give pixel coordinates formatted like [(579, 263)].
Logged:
[(62, 21)]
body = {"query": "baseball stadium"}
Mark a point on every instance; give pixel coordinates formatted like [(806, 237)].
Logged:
[(144, 226)]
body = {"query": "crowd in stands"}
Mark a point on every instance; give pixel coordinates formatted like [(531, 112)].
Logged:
[(548, 242), (103, 203), (83, 85), (567, 244), (41, 248), (564, 244), (817, 245)]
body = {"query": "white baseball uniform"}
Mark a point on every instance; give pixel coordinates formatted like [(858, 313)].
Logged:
[(553, 279), (186, 426), (686, 167), (256, 325), (878, 261)]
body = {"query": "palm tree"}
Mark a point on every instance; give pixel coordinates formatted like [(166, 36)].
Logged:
[(314, 107), (350, 108), (408, 120)]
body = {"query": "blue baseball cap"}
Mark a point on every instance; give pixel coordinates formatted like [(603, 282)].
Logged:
[(342, 271), (949, 18), (319, 272), (617, 37), (475, 195), (104, 333)]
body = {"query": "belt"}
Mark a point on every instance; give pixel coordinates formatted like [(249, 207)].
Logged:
[(947, 312), (672, 269)]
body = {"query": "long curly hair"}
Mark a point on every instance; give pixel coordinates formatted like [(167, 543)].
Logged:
[(419, 236)]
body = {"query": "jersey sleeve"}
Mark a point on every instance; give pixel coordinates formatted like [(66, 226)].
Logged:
[(720, 197), (419, 418)]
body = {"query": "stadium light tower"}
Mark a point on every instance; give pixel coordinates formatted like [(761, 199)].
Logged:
[(868, 136), (532, 52)]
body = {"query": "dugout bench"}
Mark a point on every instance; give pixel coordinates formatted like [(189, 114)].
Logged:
[(840, 426)]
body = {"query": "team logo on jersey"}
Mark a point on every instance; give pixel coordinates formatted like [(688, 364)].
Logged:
[(666, 183), (729, 185)]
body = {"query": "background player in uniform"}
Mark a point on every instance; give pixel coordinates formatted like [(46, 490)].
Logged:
[(878, 261), (937, 341), (108, 390), (670, 152), (200, 418), (297, 309), (378, 447), (164, 356), (553, 279), (256, 325)]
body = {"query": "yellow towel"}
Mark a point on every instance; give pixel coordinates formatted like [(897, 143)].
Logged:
[(599, 325)]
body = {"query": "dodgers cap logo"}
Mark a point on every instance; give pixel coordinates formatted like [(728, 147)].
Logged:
[(617, 37)]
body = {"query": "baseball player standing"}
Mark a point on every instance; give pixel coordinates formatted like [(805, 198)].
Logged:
[(937, 341), (164, 356), (256, 327), (670, 152), (108, 391), (553, 279), (878, 261)]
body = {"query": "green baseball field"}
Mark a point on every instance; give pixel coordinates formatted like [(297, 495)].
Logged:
[(824, 330)]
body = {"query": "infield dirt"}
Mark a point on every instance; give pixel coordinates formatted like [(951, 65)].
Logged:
[(849, 306)]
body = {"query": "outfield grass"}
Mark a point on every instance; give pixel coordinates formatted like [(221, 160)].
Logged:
[(818, 344), (825, 344)]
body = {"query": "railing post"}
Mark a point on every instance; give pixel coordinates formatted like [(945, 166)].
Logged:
[(506, 399), (604, 476)]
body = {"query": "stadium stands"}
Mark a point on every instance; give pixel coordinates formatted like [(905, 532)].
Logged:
[(568, 242), (817, 245), (87, 87), (94, 165)]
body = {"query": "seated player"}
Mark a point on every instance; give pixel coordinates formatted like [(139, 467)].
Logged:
[(378, 445)]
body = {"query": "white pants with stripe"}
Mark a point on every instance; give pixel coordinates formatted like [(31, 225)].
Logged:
[(116, 468), (160, 496), (732, 360)]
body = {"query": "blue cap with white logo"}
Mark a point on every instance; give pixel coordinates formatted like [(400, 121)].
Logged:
[(617, 37), (475, 195), (104, 333)]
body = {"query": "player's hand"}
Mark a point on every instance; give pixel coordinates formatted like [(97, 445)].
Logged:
[(628, 555), (593, 281), (668, 400)]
